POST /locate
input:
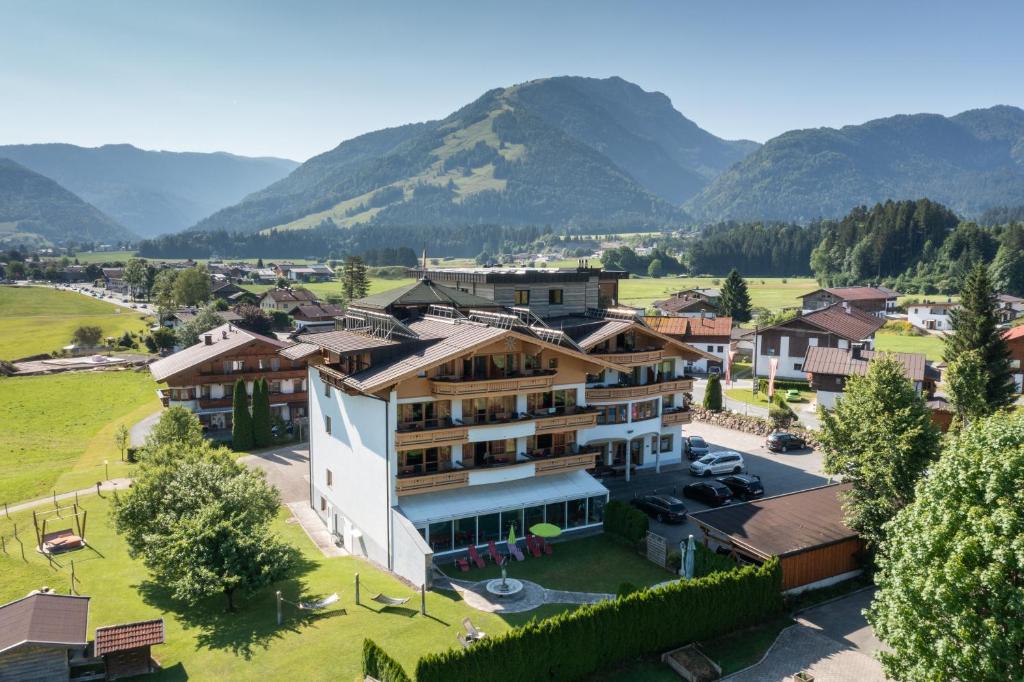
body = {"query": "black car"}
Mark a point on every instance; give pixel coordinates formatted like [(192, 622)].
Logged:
[(695, 447), (784, 441), (744, 486), (711, 493), (664, 508)]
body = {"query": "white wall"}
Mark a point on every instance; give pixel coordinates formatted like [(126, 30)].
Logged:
[(413, 557), (787, 365), (919, 316)]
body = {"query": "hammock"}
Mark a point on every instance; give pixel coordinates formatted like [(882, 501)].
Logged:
[(315, 605), (382, 598)]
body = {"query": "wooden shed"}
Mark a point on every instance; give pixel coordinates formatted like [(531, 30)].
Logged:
[(40, 636), (126, 648), (804, 529)]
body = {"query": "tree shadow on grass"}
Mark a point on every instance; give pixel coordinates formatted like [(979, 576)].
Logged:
[(253, 625)]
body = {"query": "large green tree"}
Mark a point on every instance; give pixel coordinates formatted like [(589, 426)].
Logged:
[(177, 426), (713, 394), (965, 384), (241, 419), (261, 426), (136, 276), (354, 281), (200, 522), (880, 437), (188, 334), (976, 327), (735, 300), (163, 291), (951, 571), (192, 286), (1007, 267)]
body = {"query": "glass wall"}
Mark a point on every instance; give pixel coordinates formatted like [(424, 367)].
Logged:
[(534, 515), (512, 519), (595, 510), (577, 513), (488, 528), (440, 536), (465, 532), (556, 514)]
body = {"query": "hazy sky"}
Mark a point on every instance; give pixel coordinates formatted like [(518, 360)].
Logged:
[(296, 78)]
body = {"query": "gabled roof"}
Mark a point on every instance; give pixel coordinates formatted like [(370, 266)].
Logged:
[(858, 293), (223, 339), (299, 351), (340, 341), (189, 315), (322, 311), (112, 638), (589, 335), (852, 324), (840, 362), (1014, 333), (289, 295), (691, 327), (423, 293), (44, 618)]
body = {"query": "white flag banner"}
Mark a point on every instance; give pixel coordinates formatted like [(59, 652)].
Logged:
[(773, 367)]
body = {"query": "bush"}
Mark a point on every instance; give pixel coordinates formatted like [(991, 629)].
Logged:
[(674, 561), (643, 623), (625, 522), (706, 562), (377, 664), (713, 394), (626, 588), (132, 455)]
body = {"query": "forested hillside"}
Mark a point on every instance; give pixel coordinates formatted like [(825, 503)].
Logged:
[(755, 249)]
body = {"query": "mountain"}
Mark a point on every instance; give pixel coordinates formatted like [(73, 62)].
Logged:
[(969, 162), (151, 192), (559, 151), (33, 203)]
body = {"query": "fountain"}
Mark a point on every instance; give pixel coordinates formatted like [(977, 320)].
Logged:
[(505, 587)]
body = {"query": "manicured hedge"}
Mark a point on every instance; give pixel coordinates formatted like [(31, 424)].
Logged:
[(377, 664), (575, 645), (784, 385), (625, 521)]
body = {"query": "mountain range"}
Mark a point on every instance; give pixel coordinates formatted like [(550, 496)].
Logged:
[(150, 192)]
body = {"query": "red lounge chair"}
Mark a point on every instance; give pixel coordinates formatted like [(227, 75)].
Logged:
[(463, 564), (531, 545), (475, 558), (547, 546), (492, 549)]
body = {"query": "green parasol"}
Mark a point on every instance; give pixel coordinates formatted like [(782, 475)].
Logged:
[(511, 535), (546, 530)]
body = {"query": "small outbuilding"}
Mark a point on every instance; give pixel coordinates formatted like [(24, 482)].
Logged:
[(41, 635), (805, 530), (126, 648)]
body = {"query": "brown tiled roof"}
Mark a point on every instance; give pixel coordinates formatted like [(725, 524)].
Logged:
[(840, 362), (324, 311), (852, 324), (290, 295), (341, 341), (299, 351), (129, 636), (783, 525), (683, 300), (587, 336), (45, 618), (858, 293), (224, 338), (690, 327)]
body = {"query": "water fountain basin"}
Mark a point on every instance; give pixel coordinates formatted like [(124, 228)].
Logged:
[(508, 587)]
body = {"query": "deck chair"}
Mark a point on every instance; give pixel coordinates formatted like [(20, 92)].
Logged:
[(463, 564), (462, 640), (547, 546), (516, 552), (470, 629), (498, 557), (475, 557), (533, 545), (382, 598)]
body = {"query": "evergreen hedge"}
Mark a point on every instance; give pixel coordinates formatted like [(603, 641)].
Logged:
[(377, 664), (241, 420), (262, 436), (625, 521), (713, 394), (577, 644)]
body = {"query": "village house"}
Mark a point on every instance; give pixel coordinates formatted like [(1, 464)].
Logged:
[(786, 343), (829, 368), (707, 332), (1009, 308), (41, 635), (931, 316), (283, 300), (304, 273), (202, 377), (315, 316), (182, 317), (1014, 339), (690, 302), (437, 424), (113, 280), (878, 301)]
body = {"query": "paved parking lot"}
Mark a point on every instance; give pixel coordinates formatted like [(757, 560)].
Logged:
[(780, 473)]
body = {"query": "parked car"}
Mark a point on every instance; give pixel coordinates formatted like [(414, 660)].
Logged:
[(784, 441), (664, 508), (695, 447), (744, 486), (793, 396), (711, 493), (723, 462), (714, 369)]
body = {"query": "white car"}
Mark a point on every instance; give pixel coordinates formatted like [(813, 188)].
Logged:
[(716, 463)]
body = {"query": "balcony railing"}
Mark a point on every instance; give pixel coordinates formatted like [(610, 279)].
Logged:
[(657, 388), (676, 415), (412, 484), (577, 419), (578, 462), (441, 433), (632, 357), (470, 386)]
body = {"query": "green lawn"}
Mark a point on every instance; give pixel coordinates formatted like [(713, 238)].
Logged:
[(745, 395), (599, 563), (204, 642), (930, 345), (768, 292), (41, 319), (743, 648), (333, 288), (58, 429)]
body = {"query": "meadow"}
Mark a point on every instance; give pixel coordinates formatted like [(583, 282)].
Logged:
[(42, 319), (773, 293), (59, 429)]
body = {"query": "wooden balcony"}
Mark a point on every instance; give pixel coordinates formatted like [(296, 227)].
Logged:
[(275, 399), (476, 387), (430, 437), (566, 422), (633, 358), (671, 417), (558, 465), (647, 390), (429, 483)]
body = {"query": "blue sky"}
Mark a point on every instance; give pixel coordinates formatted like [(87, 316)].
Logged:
[(295, 78)]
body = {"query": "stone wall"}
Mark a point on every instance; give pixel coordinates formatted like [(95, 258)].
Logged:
[(746, 423)]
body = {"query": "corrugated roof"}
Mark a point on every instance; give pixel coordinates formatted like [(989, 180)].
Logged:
[(423, 293), (299, 351), (223, 339), (785, 524), (129, 636), (840, 362), (51, 618)]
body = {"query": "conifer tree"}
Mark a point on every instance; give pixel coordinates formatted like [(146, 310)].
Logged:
[(261, 427), (735, 299), (241, 424), (354, 282), (713, 394)]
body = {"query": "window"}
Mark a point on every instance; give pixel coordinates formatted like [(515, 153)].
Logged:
[(231, 366), (275, 364), (275, 386), (647, 409), (554, 297), (711, 349), (323, 504), (533, 516), (556, 514), (327, 425), (797, 366), (721, 349), (666, 444), (612, 414), (553, 363), (595, 510), (488, 528), (330, 478), (440, 536), (577, 512), (465, 532), (522, 297)]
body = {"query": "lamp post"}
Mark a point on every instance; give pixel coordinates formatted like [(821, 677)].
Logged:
[(106, 470)]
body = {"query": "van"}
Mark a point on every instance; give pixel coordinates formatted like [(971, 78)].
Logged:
[(715, 463)]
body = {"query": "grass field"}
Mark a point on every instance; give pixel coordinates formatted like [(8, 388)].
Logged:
[(930, 345), (40, 319), (333, 288), (769, 292), (204, 642), (745, 395), (58, 429)]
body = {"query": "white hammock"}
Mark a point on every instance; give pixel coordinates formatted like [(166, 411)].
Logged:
[(319, 604)]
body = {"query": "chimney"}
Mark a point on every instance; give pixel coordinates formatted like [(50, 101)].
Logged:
[(846, 307), (208, 339)]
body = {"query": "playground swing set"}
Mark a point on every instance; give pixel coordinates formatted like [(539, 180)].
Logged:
[(65, 539)]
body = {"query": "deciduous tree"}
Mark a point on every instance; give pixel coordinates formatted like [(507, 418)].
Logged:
[(178, 426), (87, 335), (204, 321), (192, 287), (965, 384), (135, 276)]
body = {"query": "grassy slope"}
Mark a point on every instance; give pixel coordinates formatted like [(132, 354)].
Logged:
[(40, 320), (58, 429), (767, 292), (930, 345), (203, 642)]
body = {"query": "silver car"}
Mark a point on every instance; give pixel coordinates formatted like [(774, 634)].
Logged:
[(716, 463)]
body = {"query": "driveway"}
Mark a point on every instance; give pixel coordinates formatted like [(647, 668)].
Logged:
[(806, 412), (780, 473), (287, 469)]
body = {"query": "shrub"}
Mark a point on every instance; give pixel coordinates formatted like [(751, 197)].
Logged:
[(706, 562), (713, 394), (626, 588), (625, 521), (132, 455), (87, 335), (640, 624), (377, 664), (674, 561)]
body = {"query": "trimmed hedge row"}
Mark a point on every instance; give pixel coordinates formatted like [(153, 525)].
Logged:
[(577, 644), (625, 521), (378, 665), (784, 385)]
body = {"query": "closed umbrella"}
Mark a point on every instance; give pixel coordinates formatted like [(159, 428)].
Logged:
[(512, 535), (546, 530), (691, 549)]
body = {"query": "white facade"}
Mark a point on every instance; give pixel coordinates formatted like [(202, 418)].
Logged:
[(930, 317), (792, 366), (719, 350)]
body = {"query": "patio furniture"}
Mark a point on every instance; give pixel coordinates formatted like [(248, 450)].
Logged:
[(475, 557), (462, 640), (532, 546), (463, 564), (471, 631), (547, 546), (387, 601), (497, 556), (516, 552)]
